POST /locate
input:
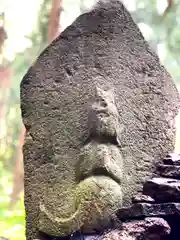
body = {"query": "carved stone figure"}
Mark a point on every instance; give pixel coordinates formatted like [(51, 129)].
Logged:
[(99, 111)]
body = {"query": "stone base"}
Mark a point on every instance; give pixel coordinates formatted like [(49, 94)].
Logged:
[(147, 229)]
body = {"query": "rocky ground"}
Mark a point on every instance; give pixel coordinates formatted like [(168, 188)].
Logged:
[(159, 203)]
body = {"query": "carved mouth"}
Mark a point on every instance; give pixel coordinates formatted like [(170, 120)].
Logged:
[(100, 171)]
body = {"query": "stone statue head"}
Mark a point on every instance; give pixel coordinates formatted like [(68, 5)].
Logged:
[(98, 108)]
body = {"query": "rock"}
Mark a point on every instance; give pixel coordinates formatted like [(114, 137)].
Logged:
[(147, 229), (171, 171), (163, 189), (140, 210), (172, 159), (93, 237), (142, 198), (97, 93)]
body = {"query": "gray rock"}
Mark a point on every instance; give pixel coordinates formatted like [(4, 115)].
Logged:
[(97, 93), (171, 171), (147, 229), (93, 237), (172, 159), (142, 198), (140, 210), (163, 189)]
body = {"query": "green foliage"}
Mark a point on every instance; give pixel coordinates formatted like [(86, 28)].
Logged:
[(165, 32), (12, 223)]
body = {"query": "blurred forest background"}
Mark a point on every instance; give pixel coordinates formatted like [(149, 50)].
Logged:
[(26, 28)]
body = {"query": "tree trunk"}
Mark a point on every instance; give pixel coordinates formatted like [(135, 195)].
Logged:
[(53, 24)]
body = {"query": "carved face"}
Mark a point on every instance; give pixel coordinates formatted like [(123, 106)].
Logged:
[(80, 185), (94, 193)]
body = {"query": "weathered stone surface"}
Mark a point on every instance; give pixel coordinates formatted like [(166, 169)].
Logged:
[(172, 171), (149, 210), (172, 159), (97, 93), (142, 198), (163, 189)]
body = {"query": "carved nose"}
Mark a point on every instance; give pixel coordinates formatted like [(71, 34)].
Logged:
[(99, 159), (101, 171)]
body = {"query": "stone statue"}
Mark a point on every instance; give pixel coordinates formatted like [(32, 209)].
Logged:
[(99, 111)]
